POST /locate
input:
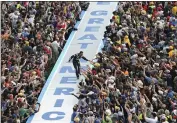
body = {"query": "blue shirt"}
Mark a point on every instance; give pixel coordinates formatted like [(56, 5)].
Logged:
[(174, 23), (73, 116), (148, 79), (155, 80), (170, 94), (25, 34), (97, 120)]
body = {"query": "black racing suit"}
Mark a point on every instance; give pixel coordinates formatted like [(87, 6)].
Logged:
[(76, 62)]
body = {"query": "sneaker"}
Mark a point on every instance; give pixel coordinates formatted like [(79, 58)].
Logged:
[(75, 29), (78, 19)]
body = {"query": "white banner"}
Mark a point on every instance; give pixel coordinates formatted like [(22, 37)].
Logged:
[(56, 99)]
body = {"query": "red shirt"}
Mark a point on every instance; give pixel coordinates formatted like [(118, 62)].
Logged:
[(9, 64), (145, 7), (154, 13), (61, 26), (7, 84), (47, 50), (94, 72), (38, 72)]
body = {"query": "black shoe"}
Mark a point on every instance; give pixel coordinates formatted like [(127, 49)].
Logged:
[(75, 29), (84, 9), (78, 77), (78, 19)]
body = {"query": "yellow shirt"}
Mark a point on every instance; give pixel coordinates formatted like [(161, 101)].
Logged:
[(126, 40), (18, 6), (171, 53), (26, 43), (117, 19), (65, 9), (169, 117), (118, 42), (140, 117), (97, 65), (174, 10)]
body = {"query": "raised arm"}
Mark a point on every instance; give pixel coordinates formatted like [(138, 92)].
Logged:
[(85, 58), (71, 58), (147, 99), (144, 71)]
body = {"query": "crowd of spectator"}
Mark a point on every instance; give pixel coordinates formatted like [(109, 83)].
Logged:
[(33, 35), (134, 78)]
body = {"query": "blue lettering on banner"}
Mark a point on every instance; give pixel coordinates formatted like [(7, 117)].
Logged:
[(70, 69), (103, 3), (68, 80), (59, 103), (64, 69), (92, 29), (88, 37), (99, 13), (58, 115), (96, 21), (84, 45), (65, 91)]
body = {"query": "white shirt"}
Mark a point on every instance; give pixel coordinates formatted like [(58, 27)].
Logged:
[(119, 33), (165, 122), (13, 16), (31, 20), (55, 45), (151, 120)]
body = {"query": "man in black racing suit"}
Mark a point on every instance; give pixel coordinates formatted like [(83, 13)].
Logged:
[(76, 62)]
